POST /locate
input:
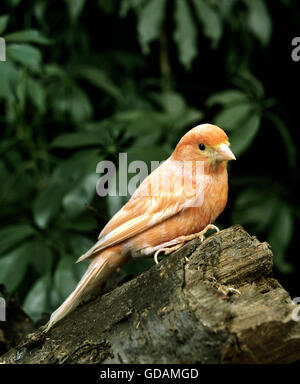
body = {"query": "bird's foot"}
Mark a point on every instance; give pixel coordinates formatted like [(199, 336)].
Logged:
[(201, 234), (166, 251), (180, 241)]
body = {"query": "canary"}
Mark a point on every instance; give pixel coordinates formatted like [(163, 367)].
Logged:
[(177, 202)]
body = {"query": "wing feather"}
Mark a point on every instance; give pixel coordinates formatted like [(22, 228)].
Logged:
[(144, 210)]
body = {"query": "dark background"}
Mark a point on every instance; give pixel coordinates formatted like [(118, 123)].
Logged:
[(84, 81)]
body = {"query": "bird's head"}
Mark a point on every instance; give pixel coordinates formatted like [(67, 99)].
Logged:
[(206, 142)]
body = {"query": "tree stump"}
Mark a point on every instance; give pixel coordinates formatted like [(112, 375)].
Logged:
[(181, 311)]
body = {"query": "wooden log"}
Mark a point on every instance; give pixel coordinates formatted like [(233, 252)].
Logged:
[(181, 311)]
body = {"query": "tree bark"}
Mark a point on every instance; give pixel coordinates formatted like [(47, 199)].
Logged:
[(181, 311)]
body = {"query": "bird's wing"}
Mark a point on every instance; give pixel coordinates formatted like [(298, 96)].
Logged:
[(145, 209)]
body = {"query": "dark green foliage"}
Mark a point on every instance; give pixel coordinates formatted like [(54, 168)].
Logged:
[(84, 81)]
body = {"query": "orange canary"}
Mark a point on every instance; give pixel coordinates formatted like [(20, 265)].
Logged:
[(175, 203)]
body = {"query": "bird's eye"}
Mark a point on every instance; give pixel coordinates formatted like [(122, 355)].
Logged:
[(201, 147)]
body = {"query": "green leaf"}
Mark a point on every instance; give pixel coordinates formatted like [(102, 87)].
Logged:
[(75, 167), (39, 10), (280, 236), (173, 103), (75, 201), (231, 117), (242, 137), (36, 94), (21, 90), (79, 105), (259, 20), (180, 115), (47, 204), (82, 223), (9, 77), (102, 129), (126, 5), (286, 136), (115, 201), (12, 235), (148, 154), (68, 98), (99, 79), (254, 208), (107, 6), (27, 36), (15, 3), (150, 20), (79, 270), (64, 279), (211, 21), (3, 23), (54, 70), (250, 84), (229, 96), (75, 8), (225, 8), (26, 55), (36, 301), (54, 299), (13, 266), (144, 130), (76, 140), (41, 257), (185, 33), (188, 119), (4, 175), (79, 244)]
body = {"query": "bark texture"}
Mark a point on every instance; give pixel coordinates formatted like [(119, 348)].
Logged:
[(181, 311)]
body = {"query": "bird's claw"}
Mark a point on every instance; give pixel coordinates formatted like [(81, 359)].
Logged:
[(167, 251), (157, 253), (183, 240)]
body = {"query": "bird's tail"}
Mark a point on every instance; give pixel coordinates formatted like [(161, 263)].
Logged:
[(99, 270)]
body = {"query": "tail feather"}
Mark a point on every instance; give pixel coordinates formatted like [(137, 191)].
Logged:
[(98, 271)]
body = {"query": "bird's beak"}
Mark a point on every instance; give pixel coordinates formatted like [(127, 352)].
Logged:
[(224, 153)]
